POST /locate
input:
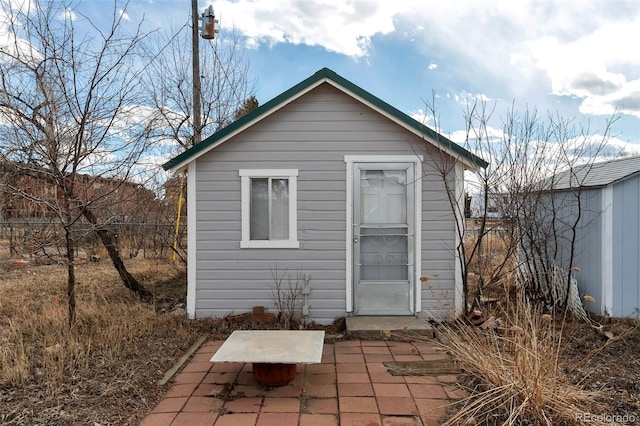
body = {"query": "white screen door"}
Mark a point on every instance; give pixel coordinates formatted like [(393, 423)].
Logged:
[(383, 238)]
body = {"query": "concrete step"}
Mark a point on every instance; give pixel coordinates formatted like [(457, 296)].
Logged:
[(388, 328)]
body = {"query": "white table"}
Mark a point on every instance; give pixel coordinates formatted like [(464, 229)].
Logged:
[(273, 353)]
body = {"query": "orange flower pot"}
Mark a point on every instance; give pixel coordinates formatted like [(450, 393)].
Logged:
[(273, 374)]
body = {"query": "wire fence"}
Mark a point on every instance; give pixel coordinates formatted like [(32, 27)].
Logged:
[(43, 239)]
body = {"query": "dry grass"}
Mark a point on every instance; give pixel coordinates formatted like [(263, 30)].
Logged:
[(531, 369), (53, 374), (516, 372), (495, 262)]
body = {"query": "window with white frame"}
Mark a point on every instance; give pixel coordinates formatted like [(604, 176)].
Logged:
[(269, 215)]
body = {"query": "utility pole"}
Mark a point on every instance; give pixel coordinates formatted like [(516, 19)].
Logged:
[(197, 91)]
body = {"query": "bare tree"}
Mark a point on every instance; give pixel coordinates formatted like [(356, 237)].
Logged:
[(554, 209), (537, 229), (225, 82), (477, 270), (69, 118), (227, 93)]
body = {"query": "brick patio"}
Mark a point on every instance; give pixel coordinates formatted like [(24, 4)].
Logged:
[(350, 387)]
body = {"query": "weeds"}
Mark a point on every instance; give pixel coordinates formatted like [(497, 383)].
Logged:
[(515, 370), (103, 329), (286, 294)]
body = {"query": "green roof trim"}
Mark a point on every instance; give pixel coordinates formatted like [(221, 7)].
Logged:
[(324, 73)]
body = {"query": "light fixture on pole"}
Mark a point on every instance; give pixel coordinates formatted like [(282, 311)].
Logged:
[(208, 32), (209, 22)]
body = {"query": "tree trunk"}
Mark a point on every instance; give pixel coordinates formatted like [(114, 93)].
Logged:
[(109, 243), (71, 277)]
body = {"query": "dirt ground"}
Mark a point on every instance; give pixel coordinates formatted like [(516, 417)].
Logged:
[(613, 370), (122, 391)]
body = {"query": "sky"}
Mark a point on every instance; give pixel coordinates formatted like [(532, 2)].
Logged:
[(577, 59)]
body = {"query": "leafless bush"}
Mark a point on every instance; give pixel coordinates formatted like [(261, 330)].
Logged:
[(286, 294)]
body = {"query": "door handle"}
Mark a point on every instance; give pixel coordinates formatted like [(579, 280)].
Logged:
[(355, 239)]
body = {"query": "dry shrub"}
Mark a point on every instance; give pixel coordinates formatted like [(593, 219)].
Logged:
[(36, 343), (515, 370), (495, 261)]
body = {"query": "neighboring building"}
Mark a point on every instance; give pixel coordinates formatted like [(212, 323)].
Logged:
[(607, 243), (497, 203), (328, 180), (37, 198), (31, 205)]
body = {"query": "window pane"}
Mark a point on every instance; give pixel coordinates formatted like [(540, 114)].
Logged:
[(383, 196), (384, 254), (280, 209), (259, 210)]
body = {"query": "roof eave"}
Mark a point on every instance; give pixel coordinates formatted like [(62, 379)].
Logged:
[(181, 161), (471, 161)]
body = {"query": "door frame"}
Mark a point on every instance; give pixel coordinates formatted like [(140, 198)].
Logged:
[(350, 160)]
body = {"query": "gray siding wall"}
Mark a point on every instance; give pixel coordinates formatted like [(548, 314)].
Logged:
[(626, 247), (563, 213), (588, 247), (588, 239), (311, 134), (624, 242)]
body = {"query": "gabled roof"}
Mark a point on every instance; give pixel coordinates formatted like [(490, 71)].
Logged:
[(325, 75), (598, 174)]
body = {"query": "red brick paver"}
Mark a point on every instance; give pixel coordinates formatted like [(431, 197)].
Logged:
[(359, 419), (320, 391), (281, 405), (318, 420), (401, 421), (236, 419), (158, 419), (358, 404), (278, 419), (355, 389), (202, 404), (323, 406), (243, 405), (177, 390), (195, 419), (391, 389), (402, 406), (351, 386), (170, 405)]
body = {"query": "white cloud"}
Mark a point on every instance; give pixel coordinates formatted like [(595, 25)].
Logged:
[(470, 137), (11, 43), (625, 100), (466, 98), (580, 49), (422, 116), (125, 16), (344, 27), (149, 172), (68, 14), (596, 68)]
